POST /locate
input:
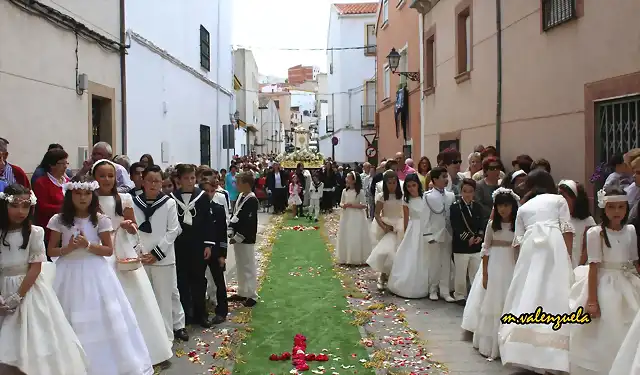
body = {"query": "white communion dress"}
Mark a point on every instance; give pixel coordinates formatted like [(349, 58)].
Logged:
[(95, 304), (36, 338), (542, 277), (593, 346), (386, 244), (498, 247), (137, 287), (409, 277), (471, 312), (353, 245)]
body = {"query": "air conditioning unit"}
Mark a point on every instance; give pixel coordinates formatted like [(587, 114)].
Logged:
[(83, 154)]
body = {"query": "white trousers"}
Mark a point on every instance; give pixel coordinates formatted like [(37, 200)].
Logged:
[(440, 267), (246, 270), (164, 282), (466, 265), (314, 207)]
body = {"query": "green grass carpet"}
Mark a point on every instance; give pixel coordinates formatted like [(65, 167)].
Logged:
[(301, 294)]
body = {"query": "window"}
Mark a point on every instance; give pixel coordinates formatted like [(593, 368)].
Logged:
[(385, 12), (387, 82), (403, 65), (556, 12), (205, 145), (370, 40), (205, 49), (464, 44), (430, 60)]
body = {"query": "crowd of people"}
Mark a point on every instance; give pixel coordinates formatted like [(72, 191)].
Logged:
[(109, 263), (102, 268), (521, 252)]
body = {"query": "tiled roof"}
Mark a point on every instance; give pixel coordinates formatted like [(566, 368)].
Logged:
[(357, 8)]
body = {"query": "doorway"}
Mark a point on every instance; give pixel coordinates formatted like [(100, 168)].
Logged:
[(102, 114)]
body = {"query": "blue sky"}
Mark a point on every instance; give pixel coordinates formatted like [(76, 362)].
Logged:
[(265, 25)]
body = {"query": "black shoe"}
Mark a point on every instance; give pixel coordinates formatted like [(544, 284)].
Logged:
[(462, 302), (236, 298), (205, 323), (316, 220), (181, 334), (250, 302), (162, 365), (218, 319)]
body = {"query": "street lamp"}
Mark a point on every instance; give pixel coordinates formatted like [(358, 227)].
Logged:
[(236, 116), (394, 61)]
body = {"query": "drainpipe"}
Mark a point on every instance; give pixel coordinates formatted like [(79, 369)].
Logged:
[(218, 89), (123, 78), (499, 75)]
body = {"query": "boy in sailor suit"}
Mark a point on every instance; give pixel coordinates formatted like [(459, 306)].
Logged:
[(158, 230), (218, 259), (437, 232), (193, 245), (243, 231)]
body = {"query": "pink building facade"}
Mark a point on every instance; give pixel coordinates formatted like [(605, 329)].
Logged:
[(570, 79)]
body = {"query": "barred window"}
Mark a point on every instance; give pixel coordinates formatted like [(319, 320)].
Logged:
[(557, 12)]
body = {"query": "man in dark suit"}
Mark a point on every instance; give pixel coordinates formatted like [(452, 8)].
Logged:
[(278, 185), (217, 261)]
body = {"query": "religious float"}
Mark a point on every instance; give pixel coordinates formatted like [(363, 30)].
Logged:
[(310, 159)]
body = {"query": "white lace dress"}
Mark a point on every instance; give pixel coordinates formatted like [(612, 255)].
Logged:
[(36, 338), (409, 277), (137, 287), (498, 247), (353, 245), (579, 226), (594, 346), (386, 244), (542, 276), (95, 304)]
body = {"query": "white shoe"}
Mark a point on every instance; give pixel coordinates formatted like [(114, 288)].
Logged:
[(448, 298), (433, 296)]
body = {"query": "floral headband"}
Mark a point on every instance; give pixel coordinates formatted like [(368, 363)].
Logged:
[(603, 198), (92, 186), (93, 167), (13, 199), (502, 190)]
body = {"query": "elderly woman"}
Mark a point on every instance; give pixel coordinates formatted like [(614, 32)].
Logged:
[(475, 165), (48, 188)]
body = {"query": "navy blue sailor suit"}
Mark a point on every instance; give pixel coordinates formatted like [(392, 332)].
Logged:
[(196, 222), (218, 251)]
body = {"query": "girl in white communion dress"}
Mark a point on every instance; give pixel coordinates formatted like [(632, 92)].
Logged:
[(35, 336)]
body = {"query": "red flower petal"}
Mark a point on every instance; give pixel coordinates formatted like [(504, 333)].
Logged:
[(274, 357), (322, 357), (302, 367), (310, 357)]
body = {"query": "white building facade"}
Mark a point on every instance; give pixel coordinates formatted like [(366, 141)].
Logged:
[(246, 70), (42, 99), (179, 81), (348, 72), (270, 136)]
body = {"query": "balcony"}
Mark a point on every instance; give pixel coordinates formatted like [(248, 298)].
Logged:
[(367, 117), (423, 6)]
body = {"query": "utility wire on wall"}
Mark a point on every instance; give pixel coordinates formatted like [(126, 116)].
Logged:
[(68, 23)]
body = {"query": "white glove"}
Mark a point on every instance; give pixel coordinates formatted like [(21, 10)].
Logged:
[(13, 301), (4, 309)]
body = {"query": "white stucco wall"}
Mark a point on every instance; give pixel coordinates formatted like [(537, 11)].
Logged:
[(38, 100), (351, 68), (156, 85)]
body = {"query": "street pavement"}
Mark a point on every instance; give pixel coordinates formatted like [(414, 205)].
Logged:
[(205, 342), (416, 336)]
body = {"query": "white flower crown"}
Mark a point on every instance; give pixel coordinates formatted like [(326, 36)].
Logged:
[(11, 198), (502, 190), (603, 198), (92, 186)]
